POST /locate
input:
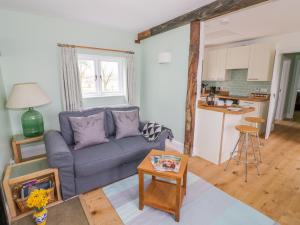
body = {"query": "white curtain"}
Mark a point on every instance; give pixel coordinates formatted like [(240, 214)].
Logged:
[(70, 81), (131, 81)]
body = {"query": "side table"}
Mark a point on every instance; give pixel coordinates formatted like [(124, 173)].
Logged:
[(17, 141), (162, 194), (17, 174)]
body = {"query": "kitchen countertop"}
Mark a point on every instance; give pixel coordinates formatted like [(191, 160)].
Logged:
[(244, 98), (223, 109)]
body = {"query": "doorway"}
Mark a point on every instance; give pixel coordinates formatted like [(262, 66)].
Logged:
[(288, 103), (285, 88)]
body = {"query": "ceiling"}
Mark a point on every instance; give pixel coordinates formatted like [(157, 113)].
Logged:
[(274, 18), (131, 15)]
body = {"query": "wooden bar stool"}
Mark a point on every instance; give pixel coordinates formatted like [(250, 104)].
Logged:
[(246, 132), (256, 121)]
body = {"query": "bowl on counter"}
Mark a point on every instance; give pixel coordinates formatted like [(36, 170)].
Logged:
[(228, 102), (220, 102)]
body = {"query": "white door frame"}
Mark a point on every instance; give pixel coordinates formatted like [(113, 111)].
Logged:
[(285, 72), (275, 86)]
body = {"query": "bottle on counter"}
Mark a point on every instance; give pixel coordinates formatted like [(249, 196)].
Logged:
[(210, 99)]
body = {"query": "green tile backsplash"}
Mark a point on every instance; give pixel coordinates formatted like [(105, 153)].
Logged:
[(238, 85)]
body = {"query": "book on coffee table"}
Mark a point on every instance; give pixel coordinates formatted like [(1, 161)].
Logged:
[(166, 163)]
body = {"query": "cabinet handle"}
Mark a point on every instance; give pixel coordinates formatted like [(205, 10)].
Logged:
[(252, 78)]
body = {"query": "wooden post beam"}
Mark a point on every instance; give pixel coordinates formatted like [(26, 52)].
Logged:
[(212, 10), (190, 109)]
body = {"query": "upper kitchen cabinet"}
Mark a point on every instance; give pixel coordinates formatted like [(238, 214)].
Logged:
[(238, 57), (215, 65), (261, 62)]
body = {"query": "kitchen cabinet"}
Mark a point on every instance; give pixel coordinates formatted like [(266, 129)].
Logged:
[(261, 62), (261, 110), (238, 57), (257, 58), (215, 65)]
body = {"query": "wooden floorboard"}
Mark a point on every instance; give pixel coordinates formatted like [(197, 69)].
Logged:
[(275, 193), (98, 209)]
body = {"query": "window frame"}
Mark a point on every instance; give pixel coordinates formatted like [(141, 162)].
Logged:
[(97, 61)]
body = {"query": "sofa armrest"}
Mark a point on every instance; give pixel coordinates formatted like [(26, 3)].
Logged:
[(58, 152), (59, 156), (162, 139)]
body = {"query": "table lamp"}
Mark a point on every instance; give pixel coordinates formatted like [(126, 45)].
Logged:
[(29, 95)]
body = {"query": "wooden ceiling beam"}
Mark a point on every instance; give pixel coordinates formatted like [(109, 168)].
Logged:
[(212, 10)]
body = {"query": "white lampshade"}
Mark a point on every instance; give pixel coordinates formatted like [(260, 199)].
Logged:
[(25, 95)]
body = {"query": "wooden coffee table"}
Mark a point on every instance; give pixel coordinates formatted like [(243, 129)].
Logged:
[(161, 194)]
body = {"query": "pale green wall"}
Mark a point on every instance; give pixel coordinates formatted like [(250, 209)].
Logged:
[(5, 133), (164, 86), (29, 54)]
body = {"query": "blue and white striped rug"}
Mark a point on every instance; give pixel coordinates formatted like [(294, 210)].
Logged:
[(204, 204)]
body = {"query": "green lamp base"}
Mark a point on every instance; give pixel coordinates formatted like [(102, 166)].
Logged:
[(32, 123)]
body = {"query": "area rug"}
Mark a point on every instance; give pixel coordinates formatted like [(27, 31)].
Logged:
[(66, 213), (204, 204)]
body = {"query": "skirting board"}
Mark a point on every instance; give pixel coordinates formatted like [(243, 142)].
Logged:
[(174, 145), (178, 146)]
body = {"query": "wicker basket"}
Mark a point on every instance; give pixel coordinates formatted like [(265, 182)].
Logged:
[(22, 202)]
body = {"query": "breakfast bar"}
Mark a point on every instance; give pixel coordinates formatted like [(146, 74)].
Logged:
[(217, 133)]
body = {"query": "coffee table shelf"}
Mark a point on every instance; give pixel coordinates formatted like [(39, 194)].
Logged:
[(162, 195)]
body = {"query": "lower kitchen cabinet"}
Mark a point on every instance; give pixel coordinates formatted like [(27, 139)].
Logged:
[(261, 110)]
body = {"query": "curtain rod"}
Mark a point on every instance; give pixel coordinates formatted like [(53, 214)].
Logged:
[(94, 48)]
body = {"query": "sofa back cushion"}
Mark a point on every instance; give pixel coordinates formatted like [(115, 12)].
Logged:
[(110, 128), (89, 130), (65, 124), (127, 123)]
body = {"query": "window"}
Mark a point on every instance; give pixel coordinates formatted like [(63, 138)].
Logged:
[(101, 75)]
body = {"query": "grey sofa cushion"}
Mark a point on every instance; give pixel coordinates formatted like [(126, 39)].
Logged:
[(88, 130), (135, 147), (65, 125), (111, 127), (127, 123), (97, 158)]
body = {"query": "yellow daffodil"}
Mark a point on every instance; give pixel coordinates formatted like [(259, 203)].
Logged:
[(38, 199)]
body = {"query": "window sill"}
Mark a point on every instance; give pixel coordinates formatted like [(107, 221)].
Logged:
[(104, 96)]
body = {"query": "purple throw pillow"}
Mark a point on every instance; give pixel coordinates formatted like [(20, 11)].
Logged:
[(88, 130), (127, 123)]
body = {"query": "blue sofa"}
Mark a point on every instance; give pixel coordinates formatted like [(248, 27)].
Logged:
[(95, 166)]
